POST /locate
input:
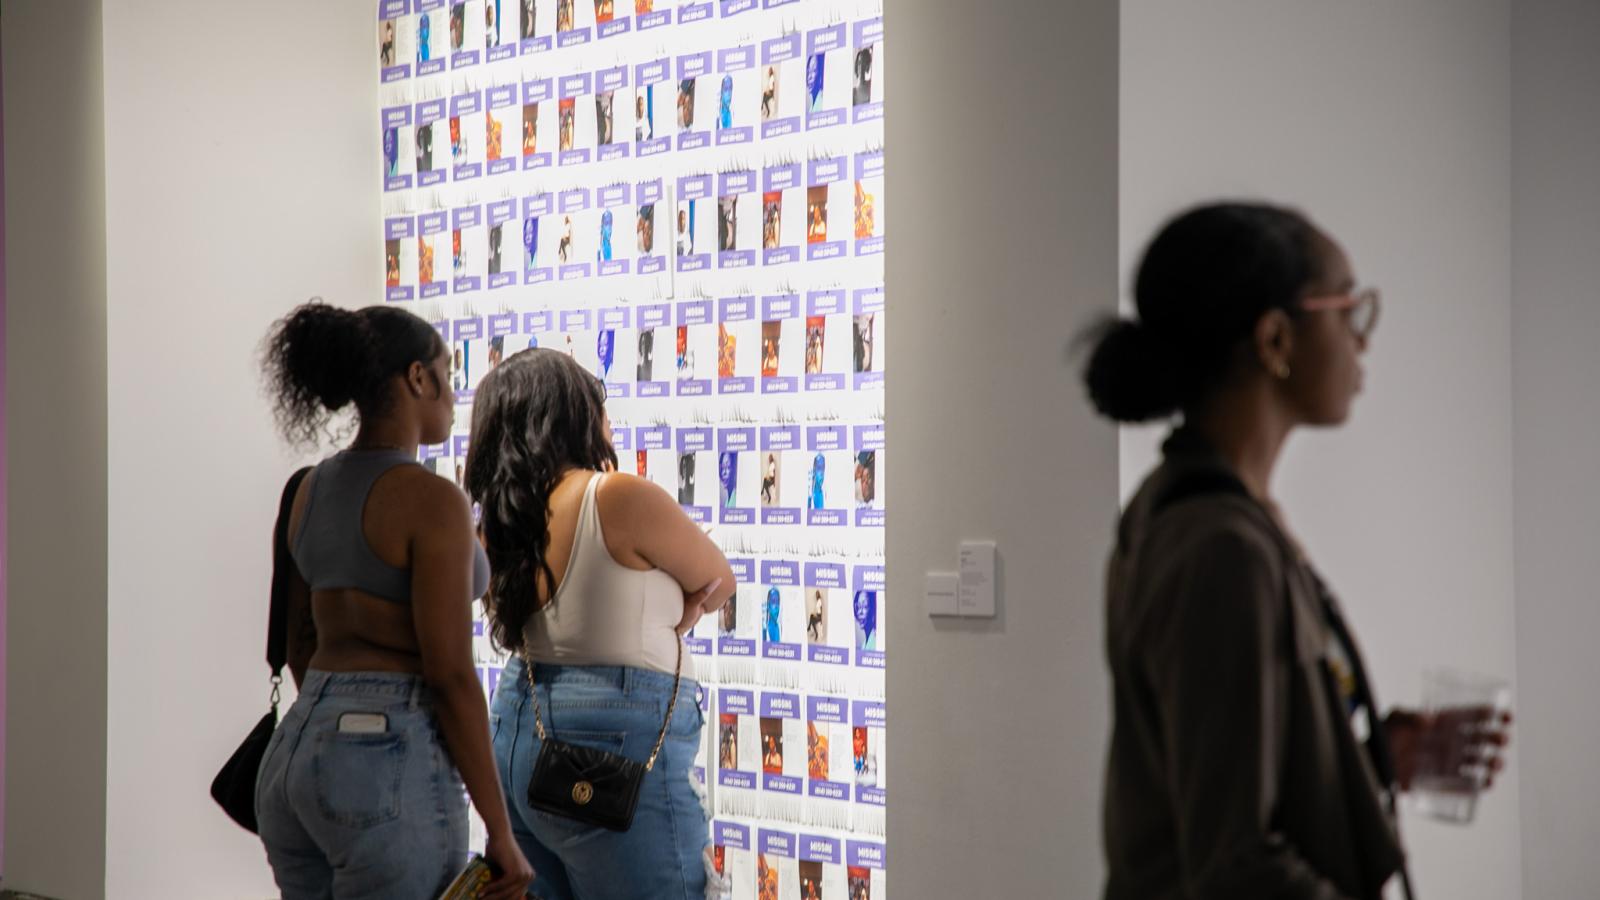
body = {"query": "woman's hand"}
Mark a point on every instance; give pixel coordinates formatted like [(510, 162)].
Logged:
[(1454, 743), (694, 607), (512, 874)]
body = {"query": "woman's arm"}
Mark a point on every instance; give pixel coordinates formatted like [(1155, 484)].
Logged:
[(1220, 679), (642, 521), (441, 608)]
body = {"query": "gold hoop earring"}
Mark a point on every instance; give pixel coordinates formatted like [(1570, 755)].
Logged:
[(1282, 371)]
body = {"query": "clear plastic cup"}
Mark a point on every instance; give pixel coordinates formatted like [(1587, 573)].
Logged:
[(1455, 760)]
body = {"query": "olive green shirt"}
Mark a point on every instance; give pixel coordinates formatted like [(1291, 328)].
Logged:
[(1233, 771)]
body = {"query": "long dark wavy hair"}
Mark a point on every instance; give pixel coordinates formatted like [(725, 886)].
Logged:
[(319, 359), (535, 417)]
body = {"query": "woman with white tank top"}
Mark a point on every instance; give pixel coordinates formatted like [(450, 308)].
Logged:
[(596, 577)]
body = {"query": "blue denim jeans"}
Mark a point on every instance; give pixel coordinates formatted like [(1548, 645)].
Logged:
[(347, 815), (619, 709)]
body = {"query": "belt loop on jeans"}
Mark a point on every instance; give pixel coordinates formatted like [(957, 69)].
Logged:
[(325, 679), (417, 687)]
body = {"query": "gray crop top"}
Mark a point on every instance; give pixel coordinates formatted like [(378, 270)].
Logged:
[(332, 552)]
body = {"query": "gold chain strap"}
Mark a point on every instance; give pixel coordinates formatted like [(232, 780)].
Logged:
[(677, 678)]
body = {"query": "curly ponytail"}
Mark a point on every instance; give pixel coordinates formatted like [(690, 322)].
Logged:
[(319, 359)]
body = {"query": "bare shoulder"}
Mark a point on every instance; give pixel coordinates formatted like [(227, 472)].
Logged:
[(430, 498), (626, 498)]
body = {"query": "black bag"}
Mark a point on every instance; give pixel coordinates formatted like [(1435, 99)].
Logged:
[(234, 788), (592, 786)]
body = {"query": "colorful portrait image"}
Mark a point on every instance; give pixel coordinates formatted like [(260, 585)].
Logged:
[(528, 18), (772, 746), (771, 347), (864, 607), (771, 478), (391, 263), (458, 25), (567, 123), (859, 879), (686, 104), (494, 132), (810, 880), (728, 617), (530, 128), (866, 343), (388, 43), (728, 223), (644, 113), (816, 336), (771, 91), (816, 81), (864, 75), (817, 759), (432, 36), (768, 884), (644, 229), (646, 359), (686, 230), (494, 31), (604, 134), (424, 147), (728, 741), (817, 214), (817, 614), (772, 220), (689, 469), (829, 74), (727, 479), (866, 478)]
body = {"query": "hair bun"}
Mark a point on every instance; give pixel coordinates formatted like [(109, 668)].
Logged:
[(1130, 374), (328, 351)]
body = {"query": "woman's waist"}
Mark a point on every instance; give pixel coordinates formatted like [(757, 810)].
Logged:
[(623, 677), (647, 639), (367, 689)]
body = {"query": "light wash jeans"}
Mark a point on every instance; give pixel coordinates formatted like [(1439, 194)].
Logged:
[(662, 857), (349, 816)]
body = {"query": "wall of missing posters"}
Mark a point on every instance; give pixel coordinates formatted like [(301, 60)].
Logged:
[(689, 198)]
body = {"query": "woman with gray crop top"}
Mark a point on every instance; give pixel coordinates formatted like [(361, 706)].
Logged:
[(597, 575), (360, 791)]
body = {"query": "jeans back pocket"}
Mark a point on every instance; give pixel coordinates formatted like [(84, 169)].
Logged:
[(358, 777)]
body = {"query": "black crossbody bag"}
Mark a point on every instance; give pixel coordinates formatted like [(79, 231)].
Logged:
[(596, 787), (234, 788)]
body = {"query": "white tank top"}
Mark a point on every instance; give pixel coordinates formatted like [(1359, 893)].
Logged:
[(604, 613)]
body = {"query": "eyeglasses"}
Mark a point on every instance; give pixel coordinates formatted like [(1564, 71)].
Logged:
[(1359, 308)]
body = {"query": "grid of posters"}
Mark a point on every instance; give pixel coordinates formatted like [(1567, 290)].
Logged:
[(688, 197)]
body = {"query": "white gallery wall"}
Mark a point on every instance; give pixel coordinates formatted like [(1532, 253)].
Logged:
[(1002, 153), (1556, 383), (241, 179), (1390, 124), (55, 778)]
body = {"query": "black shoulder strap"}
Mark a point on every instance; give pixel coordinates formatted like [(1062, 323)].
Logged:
[(278, 619)]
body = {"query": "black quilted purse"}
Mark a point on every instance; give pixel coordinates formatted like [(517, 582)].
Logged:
[(234, 788), (596, 787)]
